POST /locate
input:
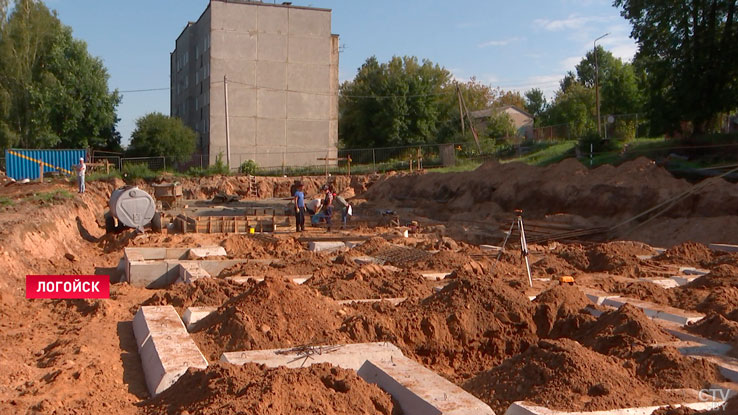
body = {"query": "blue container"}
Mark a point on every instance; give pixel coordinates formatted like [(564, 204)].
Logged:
[(24, 164)]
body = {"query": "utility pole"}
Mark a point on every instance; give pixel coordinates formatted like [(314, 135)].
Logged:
[(597, 84), (227, 125), (461, 109)]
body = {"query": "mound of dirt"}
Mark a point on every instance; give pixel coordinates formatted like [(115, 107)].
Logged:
[(557, 303), (204, 292), (619, 331), (715, 327), (470, 325), (274, 313), (441, 261), (720, 276), (666, 368), (371, 281), (563, 375), (371, 247), (255, 389), (687, 253), (618, 257)]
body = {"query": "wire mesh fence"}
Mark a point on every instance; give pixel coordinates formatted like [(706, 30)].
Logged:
[(153, 163)]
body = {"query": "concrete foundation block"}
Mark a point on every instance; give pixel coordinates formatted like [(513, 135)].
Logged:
[(656, 311), (662, 282), (189, 273), (365, 260), (683, 279), (693, 271), (326, 246), (206, 251), (420, 391), (348, 356), (523, 408), (165, 347), (194, 315), (490, 248), (435, 275), (393, 301), (724, 247)]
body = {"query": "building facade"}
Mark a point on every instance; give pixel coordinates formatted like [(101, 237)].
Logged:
[(279, 65)]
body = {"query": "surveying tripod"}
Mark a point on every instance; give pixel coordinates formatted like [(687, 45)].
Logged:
[(523, 244)]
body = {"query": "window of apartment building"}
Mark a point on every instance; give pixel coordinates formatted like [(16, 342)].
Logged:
[(197, 77), (197, 102)]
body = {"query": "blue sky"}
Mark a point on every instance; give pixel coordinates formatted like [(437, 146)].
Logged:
[(511, 44)]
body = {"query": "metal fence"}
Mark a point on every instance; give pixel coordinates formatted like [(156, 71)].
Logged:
[(153, 163)]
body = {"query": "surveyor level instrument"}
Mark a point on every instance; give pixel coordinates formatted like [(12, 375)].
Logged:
[(523, 244)]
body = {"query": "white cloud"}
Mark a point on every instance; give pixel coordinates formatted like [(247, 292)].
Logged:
[(570, 62), (500, 42), (573, 22)]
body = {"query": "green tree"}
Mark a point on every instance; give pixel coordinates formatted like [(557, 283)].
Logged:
[(575, 107), (52, 92), (688, 50), (508, 98), (477, 96), (606, 62), (500, 125), (159, 135), (535, 102), (400, 102)]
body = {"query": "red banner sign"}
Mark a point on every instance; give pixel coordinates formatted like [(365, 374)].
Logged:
[(67, 286)]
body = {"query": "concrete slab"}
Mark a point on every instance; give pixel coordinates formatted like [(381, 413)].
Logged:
[(420, 391), (435, 275), (348, 356), (206, 251), (683, 279), (326, 246), (662, 282), (491, 248), (644, 257), (724, 247), (596, 296), (191, 272), (393, 301), (365, 260), (194, 315), (656, 311), (165, 347), (162, 273), (693, 271), (523, 408)]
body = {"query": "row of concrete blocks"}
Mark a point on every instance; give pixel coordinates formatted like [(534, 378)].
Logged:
[(167, 351), (654, 311)]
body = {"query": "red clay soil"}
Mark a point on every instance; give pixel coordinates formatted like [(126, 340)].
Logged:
[(557, 303), (371, 281), (564, 375), (204, 292), (441, 261), (469, 326), (246, 246), (619, 332), (715, 327), (666, 368), (223, 389), (274, 313), (687, 253), (720, 276)]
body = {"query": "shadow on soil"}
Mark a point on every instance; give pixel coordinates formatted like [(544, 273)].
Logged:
[(133, 374)]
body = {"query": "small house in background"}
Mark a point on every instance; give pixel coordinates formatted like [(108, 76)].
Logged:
[(522, 120)]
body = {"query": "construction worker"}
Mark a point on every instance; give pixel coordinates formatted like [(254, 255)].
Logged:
[(81, 170), (328, 205), (344, 207), (313, 206), (299, 201)]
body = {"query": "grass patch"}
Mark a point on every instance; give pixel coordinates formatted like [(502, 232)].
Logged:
[(547, 153), (6, 201), (135, 171), (52, 197), (461, 166)]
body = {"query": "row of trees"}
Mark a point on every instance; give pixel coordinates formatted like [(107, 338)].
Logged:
[(684, 76), (52, 92)]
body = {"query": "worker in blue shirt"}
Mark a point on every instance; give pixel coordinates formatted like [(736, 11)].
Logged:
[(299, 200)]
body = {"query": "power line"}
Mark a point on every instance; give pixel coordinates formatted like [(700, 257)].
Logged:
[(144, 90)]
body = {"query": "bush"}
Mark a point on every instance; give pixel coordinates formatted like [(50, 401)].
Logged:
[(248, 167), (625, 130), (133, 171), (591, 140), (219, 168)]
